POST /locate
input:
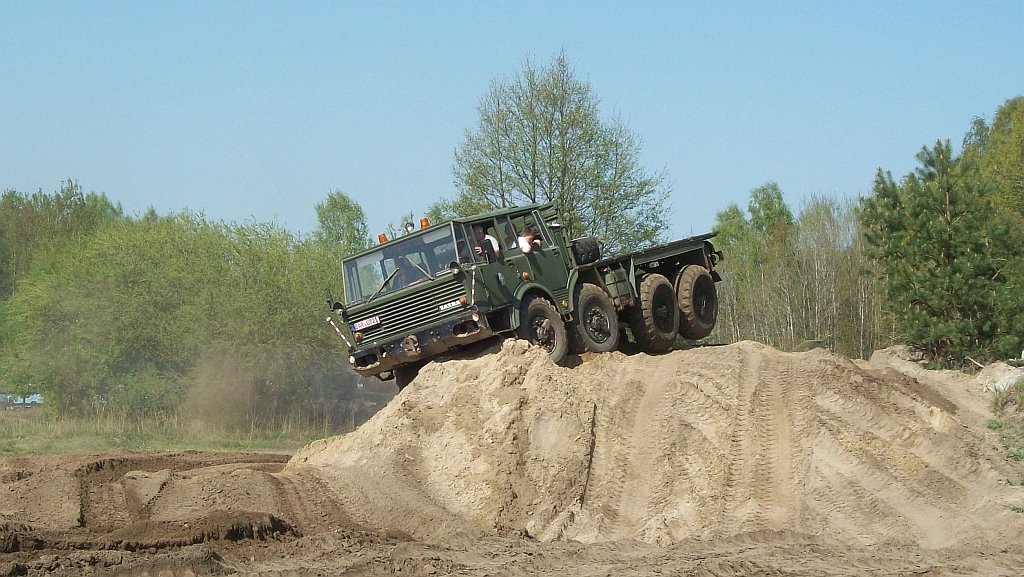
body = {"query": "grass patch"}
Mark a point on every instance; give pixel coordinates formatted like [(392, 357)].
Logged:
[(1011, 435), (1010, 401), (1008, 406), (35, 431)]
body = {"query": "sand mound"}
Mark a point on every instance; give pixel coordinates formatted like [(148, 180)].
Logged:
[(744, 459), (698, 444)]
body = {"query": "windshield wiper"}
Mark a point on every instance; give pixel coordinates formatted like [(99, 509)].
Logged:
[(384, 284), (422, 270)]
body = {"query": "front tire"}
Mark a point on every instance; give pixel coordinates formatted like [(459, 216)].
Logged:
[(597, 323), (541, 325), (654, 318)]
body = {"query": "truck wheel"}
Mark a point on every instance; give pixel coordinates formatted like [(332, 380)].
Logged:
[(698, 302), (541, 325), (586, 250), (654, 319), (597, 323)]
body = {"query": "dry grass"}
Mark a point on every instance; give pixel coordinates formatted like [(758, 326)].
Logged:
[(1008, 406), (36, 431)]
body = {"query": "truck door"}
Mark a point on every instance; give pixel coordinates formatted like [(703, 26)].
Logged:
[(495, 281), (546, 264)]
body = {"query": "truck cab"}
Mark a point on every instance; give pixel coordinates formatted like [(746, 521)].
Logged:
[(449, 285), (438, 288)]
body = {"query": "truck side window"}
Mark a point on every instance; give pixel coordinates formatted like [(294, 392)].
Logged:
[(485, 244), (507, 234)]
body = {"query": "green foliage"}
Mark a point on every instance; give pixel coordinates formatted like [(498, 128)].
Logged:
[(999, 151), (170, 316), (1011, 435), (933, 259), (950, 259), (35, 431), (539, 139), (342, 224), (1010, 424), (789, 279), (770, 216), (32, 223), (732, 227)]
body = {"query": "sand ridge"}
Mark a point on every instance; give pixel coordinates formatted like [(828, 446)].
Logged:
[(703, 443)]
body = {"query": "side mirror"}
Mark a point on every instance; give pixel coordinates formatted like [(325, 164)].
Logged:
[(456, 269), (331, 303)]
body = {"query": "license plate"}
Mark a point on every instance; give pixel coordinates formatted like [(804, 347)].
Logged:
[(366, 323)]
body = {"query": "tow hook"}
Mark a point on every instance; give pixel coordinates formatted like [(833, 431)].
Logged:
[(411, 344)]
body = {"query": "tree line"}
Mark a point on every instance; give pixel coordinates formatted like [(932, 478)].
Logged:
[(792, 278), (932, 259), (152, 314)]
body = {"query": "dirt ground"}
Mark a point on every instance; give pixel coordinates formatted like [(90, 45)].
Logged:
[(732, 460)]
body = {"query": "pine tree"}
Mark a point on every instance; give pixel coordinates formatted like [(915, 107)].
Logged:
[(944, 252)]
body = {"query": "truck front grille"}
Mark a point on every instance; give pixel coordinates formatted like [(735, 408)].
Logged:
[(412, 309)]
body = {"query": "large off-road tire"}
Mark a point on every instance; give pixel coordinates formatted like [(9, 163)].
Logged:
[(654, 318), (586, 250), (698, 302), (541, 325), (596, 323)]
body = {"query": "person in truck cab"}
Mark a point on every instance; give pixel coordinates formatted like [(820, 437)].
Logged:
[(494, 254), (529, 240)]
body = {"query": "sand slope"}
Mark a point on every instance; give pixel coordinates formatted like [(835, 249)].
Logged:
[(705, 443)]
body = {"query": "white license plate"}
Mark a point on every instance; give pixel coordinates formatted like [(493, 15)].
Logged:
[(366, 323)]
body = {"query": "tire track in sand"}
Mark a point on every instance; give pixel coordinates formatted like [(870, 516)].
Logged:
[(631, 465), (760, 488)]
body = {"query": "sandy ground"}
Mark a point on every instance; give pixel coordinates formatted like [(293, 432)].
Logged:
[(733, 460)]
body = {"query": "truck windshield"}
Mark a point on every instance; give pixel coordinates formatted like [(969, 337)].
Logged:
[(399, 264)]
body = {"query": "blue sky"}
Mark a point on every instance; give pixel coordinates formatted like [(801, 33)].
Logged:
[(257, 110)]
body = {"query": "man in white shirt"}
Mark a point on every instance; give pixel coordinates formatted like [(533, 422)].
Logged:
[(528, 240), (478, 232)]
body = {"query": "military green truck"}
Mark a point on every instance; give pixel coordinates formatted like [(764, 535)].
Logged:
[(442, 287)]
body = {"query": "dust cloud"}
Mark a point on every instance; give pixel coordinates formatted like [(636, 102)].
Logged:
[(235, 389)]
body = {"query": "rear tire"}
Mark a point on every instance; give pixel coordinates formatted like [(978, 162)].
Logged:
[(698, 302), (654, 318), (541, 325), (597, 323)]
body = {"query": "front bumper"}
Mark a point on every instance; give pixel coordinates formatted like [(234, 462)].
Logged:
[(378, 358)]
